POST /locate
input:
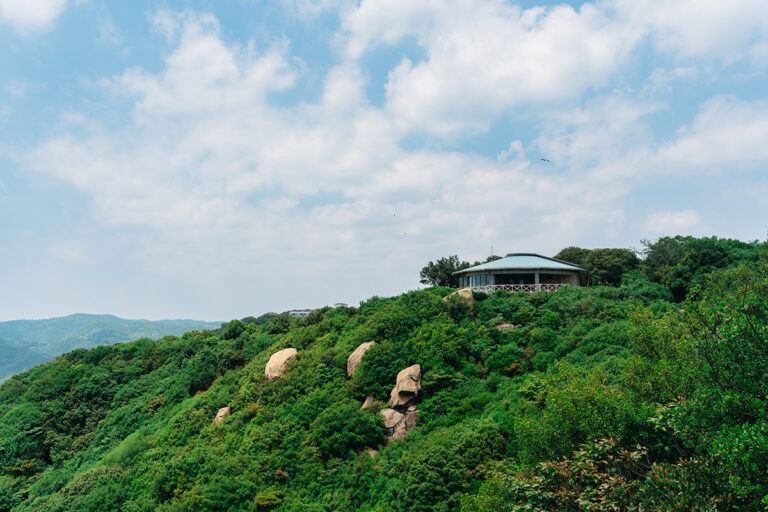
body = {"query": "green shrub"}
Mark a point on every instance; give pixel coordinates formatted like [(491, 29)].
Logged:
[(345, 427), (569, 406)]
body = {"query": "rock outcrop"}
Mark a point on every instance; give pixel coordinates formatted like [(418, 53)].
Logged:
[(407, 386), (398, 423), (367, 403), (357, 356), (278, 363), (504, 327), (221, 415), (402, 416), (464, 293)]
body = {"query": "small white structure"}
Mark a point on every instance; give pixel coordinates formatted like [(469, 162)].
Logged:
[(300, 313)]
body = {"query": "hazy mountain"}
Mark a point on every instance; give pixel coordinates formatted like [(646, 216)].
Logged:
[(26, 343)]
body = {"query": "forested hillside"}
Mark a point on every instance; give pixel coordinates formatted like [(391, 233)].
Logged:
[(26, 343), (623, 397)]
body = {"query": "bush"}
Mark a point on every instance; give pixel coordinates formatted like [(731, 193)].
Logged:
[(569, 406), (233, 330), (599, 476), (345, 427)]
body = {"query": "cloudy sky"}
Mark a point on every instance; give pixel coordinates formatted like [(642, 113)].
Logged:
[(211, 160)]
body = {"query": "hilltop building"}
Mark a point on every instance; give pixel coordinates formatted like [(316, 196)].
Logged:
[(522, 272), (301, 313)]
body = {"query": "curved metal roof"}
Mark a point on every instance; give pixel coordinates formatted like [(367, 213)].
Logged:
[(523, 261)]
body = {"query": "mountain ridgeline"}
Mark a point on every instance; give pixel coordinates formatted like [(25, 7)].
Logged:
[(26, 343), (621, 397)]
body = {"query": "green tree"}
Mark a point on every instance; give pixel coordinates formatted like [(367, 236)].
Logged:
[(682, 262), (575, 255), (232, 330), (440, 272), (607, 266)]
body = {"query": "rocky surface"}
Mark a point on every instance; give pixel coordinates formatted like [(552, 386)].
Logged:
[(278, 363), (357, 356), (221, 415), (505, 327), (398, 423), (367, 403), (464, 293), (402, 416), (407, 386)]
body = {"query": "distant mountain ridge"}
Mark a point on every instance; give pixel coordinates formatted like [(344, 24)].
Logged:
[(27, 343)]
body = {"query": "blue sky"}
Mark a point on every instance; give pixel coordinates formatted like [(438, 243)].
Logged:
[(213, 160)]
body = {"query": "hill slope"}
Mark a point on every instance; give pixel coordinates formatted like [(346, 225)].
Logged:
[(654, 405), (26, 343)]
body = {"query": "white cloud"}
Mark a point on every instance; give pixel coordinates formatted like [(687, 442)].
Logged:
[(662, 81), (485, 59), (672, 222), (725, 135), (504, 57), (204, 74), (726, 31), (31, 15), (109, 33), (308, 9), (606, 136)]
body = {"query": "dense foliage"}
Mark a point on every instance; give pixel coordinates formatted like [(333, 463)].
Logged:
[(681, 262), (600, 398), (605, 266)]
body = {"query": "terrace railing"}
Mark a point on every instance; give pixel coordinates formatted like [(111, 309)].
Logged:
[(531, 288)]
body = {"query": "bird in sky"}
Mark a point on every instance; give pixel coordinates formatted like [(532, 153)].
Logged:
[(545, 160)]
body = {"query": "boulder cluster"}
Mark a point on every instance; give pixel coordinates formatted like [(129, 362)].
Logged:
[(400, 417), (402, 414)]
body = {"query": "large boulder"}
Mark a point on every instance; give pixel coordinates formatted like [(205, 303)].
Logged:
[(278, 363), (407, 386), (357, 356), (397, 423), (367, 403), (464, 293), (504, 327), (221, 415)]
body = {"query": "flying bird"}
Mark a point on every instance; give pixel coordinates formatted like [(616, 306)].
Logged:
[(545, 160)]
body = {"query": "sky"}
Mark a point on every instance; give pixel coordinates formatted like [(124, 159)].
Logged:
[(213, 160)]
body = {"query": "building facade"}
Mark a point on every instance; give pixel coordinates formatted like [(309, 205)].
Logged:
[(522, 272)]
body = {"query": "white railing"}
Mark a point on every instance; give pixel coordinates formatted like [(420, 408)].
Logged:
[(531, 288)]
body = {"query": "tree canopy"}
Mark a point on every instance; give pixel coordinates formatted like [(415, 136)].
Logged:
[(440, 272)]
